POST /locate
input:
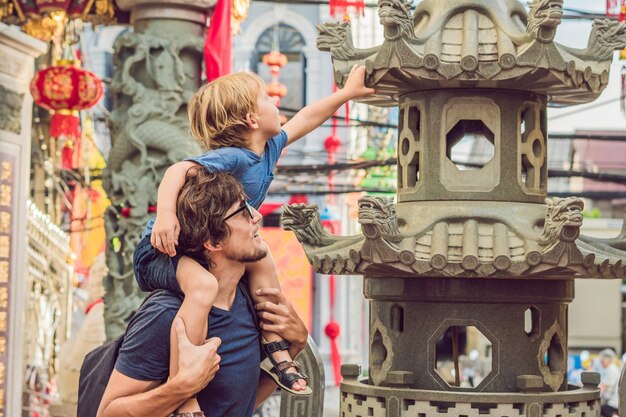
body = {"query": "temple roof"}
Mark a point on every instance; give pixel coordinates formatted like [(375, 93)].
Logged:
[(463, 246), (476, 44)]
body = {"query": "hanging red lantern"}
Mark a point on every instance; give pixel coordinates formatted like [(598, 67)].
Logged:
[(275, 59), (341, 7), (64, 90), (276, 89), (72, 8)]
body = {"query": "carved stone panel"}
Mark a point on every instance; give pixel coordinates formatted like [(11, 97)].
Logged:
[(11, 110)]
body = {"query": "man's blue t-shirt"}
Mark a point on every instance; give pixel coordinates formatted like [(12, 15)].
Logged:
[(255, 172), (145, 353)]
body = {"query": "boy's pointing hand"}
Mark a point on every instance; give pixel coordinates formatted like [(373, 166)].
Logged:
[(355, 84)]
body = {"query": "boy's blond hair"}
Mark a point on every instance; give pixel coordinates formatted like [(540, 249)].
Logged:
[(217, 111)]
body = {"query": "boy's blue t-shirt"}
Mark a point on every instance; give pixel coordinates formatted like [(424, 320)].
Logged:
[(145, 353), (255, 172)]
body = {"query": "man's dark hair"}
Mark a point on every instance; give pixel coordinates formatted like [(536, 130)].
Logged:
[(202, 204)]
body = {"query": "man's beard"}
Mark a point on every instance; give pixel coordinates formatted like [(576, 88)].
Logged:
[(257, 255)]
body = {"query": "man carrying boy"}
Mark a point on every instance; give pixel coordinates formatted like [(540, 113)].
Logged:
[(238, 122), (217, 229)]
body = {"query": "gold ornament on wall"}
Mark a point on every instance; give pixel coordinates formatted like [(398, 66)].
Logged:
[(45, 19), (239, 13)]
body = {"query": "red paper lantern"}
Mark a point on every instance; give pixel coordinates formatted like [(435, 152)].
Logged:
[(65, 89), (340, 7), (73, 8), (275, 59), (276, 89)]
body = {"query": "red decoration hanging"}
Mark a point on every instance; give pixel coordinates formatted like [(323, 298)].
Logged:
[(73, 8), (332, 331), (65, 89), (341, 7), (218, 42), (275, 60)]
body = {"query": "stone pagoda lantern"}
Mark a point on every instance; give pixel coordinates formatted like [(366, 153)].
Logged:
[(469, 250)]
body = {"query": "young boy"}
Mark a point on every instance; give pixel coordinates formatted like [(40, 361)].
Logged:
[(235, 118)]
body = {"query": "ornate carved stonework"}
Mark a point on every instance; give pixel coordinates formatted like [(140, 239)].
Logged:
[(466, 41), (478, 246), (11, 110), (157, 71)]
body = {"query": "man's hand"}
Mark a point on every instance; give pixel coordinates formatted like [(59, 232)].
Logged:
[(165, 233), (279, 317), (355, 84), (197, 365)]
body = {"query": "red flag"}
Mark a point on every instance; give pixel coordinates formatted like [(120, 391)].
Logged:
[(217, 46)]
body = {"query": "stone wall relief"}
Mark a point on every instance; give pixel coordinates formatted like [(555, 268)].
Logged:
[(149, 133)]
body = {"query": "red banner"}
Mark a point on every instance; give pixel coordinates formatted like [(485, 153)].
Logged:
[(614, 7)]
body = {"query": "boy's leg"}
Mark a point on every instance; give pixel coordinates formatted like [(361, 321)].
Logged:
[(200, 289), (262, 274)]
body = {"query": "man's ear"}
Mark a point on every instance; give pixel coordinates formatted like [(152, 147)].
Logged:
[(251, 121), (212, 247)]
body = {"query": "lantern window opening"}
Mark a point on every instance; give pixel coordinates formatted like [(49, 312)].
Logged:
[(466, 349), (470, 145), (532, 321)]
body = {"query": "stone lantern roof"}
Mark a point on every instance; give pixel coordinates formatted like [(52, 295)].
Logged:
[(476, 44), (461, 246), (470, 69)]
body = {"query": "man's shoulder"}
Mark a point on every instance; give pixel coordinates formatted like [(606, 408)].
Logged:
[(144, 354), (162, 300), (161, 306)]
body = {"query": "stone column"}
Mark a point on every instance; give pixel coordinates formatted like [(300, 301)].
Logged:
[(17, 54), (158, 67)]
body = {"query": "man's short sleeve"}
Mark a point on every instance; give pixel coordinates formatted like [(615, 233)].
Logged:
[(145, 352), (275, 146), (220, 160)]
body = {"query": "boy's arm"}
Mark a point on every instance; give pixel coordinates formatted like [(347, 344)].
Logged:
[(313, 115), (166, 228)]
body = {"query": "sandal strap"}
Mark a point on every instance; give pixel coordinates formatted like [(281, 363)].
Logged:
[(289, 379), (273, 347), (286, 365)]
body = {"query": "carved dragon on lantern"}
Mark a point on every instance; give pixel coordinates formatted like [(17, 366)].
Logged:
[(336, 38), (606, 36), (304, 221), (395, 16), (543, 18), (378, 217), (563, 220), (379, 220), (148, 131)]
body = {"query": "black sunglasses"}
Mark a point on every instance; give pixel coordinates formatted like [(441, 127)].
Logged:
[(244, 206)]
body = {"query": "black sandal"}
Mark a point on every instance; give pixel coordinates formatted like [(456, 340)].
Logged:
[(277, 369)]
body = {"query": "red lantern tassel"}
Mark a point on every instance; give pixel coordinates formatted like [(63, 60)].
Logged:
[(67, 155), (333, 330), (65, 124)]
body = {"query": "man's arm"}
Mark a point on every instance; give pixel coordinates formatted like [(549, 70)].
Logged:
[(281, 318), (166, 227), (121, 397), (313, 115), (129, 397)]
